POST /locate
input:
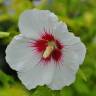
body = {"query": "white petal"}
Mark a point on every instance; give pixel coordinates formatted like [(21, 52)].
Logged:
[(19, 54), (63, 76), (40, 74), (73, 56), (33, 22), (72, 44), (78, 50), (60, 27), (70, 39), (62, 34)]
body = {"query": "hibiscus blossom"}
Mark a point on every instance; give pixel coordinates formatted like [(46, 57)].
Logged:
[(45, 53)]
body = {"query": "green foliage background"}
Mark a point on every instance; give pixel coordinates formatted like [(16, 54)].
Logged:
[(80, 16)]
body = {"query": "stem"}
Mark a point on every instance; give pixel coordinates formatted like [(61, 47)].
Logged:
[(4, 34)]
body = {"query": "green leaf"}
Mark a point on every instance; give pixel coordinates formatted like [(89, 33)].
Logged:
[(42, 91), (83, 75), (5, 79)]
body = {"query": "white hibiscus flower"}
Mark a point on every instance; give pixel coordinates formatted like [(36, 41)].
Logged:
[(45, 53)]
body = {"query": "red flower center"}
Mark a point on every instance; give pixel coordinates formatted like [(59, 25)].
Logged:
[(49, 47)]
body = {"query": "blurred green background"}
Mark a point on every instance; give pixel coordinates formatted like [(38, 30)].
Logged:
[(80, 16)]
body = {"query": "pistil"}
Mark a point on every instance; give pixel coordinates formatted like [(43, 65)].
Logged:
[(48, 51)]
